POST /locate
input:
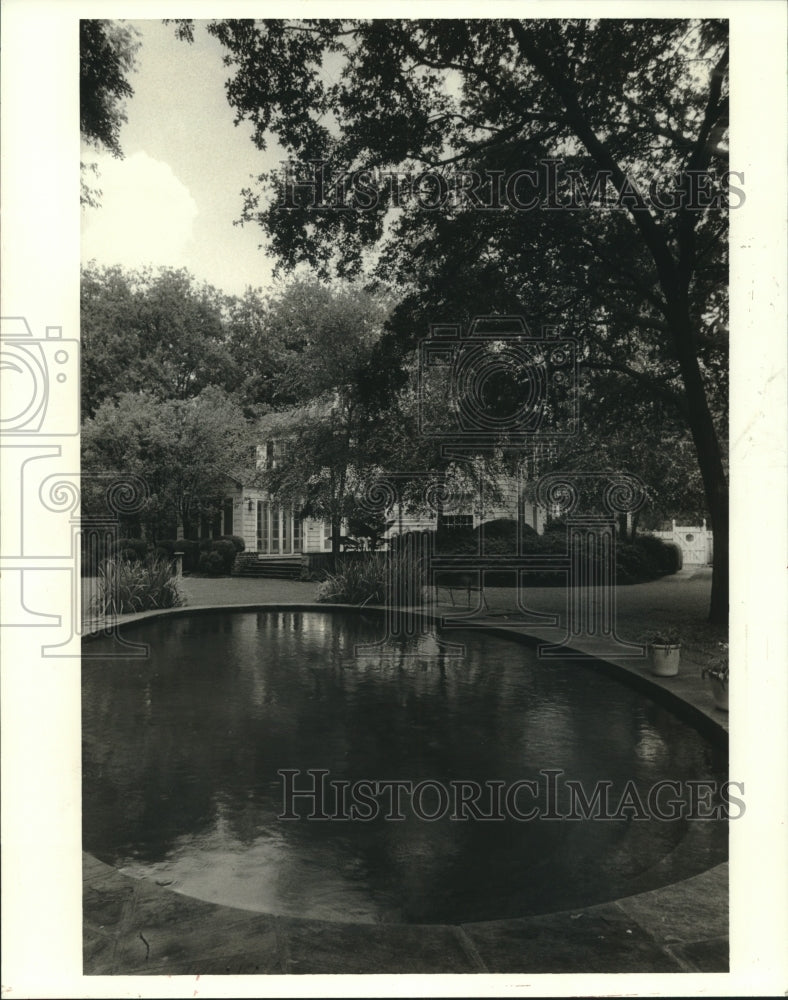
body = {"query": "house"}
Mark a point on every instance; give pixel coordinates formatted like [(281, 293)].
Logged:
[(283, 541)]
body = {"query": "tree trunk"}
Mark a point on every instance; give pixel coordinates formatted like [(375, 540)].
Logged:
[(336, 535), (675, 276), (710, 460)]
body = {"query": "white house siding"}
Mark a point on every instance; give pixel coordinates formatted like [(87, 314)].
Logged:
[(245, 502), (314, 536), (506, 507)]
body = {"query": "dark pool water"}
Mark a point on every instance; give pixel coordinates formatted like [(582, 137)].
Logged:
[(181, 754)]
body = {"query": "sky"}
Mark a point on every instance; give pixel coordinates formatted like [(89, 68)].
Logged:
[(172, 200)]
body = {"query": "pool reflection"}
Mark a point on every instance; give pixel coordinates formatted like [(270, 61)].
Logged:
[(181, 755)]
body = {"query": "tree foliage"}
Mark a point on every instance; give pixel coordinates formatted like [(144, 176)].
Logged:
[(107, 56), (154, 330), (641, 283), (183, 449), (320, 337)]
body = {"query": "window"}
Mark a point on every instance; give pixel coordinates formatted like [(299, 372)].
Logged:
[(275, 527), (262, 526), (287, 521), (228, 516), (297, 534), (454, 522)]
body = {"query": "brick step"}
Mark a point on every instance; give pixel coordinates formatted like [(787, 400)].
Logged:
[(282, 569)]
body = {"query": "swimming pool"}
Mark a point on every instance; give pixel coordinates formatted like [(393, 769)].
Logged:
[(184, 754)]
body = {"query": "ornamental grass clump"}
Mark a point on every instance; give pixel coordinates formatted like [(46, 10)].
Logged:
[(124, 587), (355, 581), (392, 578)]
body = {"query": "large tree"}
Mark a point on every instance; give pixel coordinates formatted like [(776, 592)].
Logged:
[(153, 330), (639, 106), (320, 339), (183, 450)]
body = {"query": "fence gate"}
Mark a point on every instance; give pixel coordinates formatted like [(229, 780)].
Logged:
[(696, 543)]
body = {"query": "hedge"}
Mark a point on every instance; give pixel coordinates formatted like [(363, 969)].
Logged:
[(647, 558)]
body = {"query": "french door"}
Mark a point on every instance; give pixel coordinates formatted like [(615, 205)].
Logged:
[(279, 532)]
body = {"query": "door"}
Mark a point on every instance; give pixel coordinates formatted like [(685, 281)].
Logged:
[(279, 532)]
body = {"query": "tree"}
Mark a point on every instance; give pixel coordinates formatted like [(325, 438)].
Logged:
[(107, 55), (628, 431), (184, 450), (252, 350), (321, 338), (157, 331), (636, 108)]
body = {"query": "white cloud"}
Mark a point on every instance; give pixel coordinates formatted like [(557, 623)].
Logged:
[(145, 217)]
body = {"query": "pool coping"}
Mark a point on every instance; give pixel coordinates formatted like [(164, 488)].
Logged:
[(135, 928)]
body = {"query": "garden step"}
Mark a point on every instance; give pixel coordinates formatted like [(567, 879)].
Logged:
[(286, 569)]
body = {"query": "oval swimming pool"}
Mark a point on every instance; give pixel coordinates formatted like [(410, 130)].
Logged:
[(478, 787)]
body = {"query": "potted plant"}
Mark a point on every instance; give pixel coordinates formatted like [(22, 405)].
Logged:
[(716, 670), (665, 649)]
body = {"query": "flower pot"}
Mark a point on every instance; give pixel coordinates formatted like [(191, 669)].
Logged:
[(719, 692), (665, 660)]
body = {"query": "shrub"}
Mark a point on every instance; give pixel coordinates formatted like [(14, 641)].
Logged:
[(555, 526), (125, 587), (633, 565), (212, 563), (226, 552), (500, 535), (500, 546), (238, 543), (676, 559), (664, 556), (454, 541)]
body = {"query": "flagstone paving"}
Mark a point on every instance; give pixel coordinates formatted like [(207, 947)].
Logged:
[(132, 927)]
